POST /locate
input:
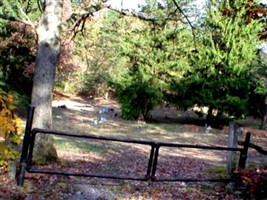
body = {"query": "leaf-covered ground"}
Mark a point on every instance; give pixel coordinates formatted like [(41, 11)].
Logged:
[(130, 160)]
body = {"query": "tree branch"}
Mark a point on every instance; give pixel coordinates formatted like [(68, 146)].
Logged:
[(190, 24), (140, 15), (80, 22), (79, 18), (26, 16), (15, 19)]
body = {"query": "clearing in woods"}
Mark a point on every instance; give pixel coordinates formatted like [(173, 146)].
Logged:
[(102, 117)]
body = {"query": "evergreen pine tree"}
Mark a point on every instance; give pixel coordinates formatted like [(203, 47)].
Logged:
[(220, 77)]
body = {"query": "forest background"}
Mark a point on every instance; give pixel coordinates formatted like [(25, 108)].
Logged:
[(169, 53)]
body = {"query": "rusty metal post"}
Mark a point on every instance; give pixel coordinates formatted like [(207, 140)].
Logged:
[(154, 167), (150, 162), (25, 147), (244, 152)]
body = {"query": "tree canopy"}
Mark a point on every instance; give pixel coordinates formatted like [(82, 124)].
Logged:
[(211, 67), (168, 52)]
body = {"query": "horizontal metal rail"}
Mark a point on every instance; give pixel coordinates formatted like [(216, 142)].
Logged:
[(152, 165), (191, 146), (53, 172), (92, 137), (144, 142), (29, 140), (80, 135), (172, 145), (254, 146), (226, 180)]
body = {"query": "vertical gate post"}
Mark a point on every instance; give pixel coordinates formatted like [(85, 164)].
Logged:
[(30, 148), (232, 143), (154, 167), (150, 162), (25, 147), (244, 152)]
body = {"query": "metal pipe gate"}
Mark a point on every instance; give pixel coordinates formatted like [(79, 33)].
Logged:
[(29, 139)]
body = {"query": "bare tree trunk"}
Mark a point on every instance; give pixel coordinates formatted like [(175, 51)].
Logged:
[(43, 83), (264, 116)]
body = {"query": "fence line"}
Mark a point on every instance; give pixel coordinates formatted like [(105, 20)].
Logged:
[(30, 134)]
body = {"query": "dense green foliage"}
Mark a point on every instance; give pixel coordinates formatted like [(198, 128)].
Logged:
[(166, 62), (148, 62), (221, 66), (154, 60)]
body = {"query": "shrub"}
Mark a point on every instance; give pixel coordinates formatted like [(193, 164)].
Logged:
[(253, 183), (138, 99), (9, 129)]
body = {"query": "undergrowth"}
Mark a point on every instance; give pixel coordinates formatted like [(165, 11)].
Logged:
[(252, 183), (9, 130)]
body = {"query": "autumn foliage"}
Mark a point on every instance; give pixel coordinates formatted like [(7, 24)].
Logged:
[(254, 11), (9, 129), (253, 183)]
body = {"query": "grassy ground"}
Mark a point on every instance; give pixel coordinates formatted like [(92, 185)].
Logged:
[(122, 159)]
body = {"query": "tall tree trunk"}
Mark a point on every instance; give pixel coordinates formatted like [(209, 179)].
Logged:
[(43, 83), (264, 116), (209, 115)]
